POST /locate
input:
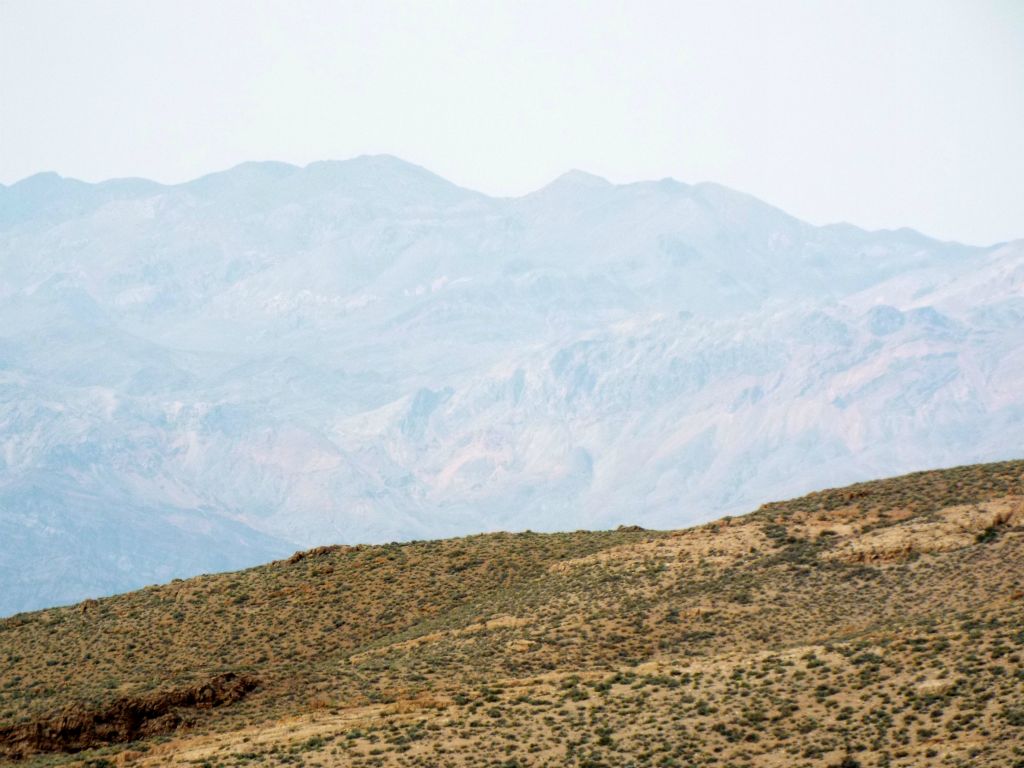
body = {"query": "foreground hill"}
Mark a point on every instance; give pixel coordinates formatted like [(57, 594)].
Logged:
[(210, 375), (876, 625)]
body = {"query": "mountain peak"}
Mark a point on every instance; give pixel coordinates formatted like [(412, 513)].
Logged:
[(44, 179), (572, 184), (387, 172), (579, 179)]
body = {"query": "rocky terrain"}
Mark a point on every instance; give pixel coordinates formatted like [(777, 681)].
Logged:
[(881, 624)]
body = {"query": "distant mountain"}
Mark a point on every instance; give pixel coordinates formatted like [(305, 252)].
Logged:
[(203, 376)]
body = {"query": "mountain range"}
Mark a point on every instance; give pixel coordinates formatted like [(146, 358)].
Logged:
[(208, 375)]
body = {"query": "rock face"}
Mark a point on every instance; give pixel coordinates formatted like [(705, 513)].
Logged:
[(211, 375), (946, 529), (298, 557), (127, 719)]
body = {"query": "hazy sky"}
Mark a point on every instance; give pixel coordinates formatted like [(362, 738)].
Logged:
[(884, 113)]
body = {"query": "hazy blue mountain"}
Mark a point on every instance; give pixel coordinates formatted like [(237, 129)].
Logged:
[(212, 374)]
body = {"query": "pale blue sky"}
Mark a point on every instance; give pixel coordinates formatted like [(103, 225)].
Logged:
[(884, 114)]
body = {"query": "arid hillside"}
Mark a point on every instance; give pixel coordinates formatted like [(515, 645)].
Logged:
[(876, 625)]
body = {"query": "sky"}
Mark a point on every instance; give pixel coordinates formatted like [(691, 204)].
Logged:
[(884, 114)]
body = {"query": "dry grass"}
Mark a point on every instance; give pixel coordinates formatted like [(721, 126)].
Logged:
[(880, 625)]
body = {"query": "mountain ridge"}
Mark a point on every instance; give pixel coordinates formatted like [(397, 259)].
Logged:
[(281, 168)]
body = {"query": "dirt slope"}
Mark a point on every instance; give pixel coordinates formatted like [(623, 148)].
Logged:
[(876, 625)]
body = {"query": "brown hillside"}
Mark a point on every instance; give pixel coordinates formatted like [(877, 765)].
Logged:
[(876, 625)]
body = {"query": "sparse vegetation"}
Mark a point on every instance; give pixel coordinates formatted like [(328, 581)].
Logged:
[(876, 625)]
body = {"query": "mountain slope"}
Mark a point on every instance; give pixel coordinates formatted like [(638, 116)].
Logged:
[(272, 356), (879, 623)]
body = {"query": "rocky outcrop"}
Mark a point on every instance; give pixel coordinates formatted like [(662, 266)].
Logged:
[(944, 530), (126, 719), (298, 557)]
